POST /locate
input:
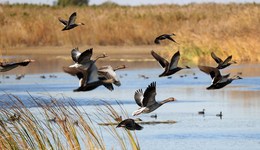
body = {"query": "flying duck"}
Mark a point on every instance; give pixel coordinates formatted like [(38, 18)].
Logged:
[(222, 64), (84, 64), (147, 101), (163, 37), (90, 80), (9, 66), (70, 24), (169, 68), (107, 72), (82, 61), (129, 124), (218, 81)]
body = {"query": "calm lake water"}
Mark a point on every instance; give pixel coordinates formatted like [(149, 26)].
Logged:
[(239, 128)]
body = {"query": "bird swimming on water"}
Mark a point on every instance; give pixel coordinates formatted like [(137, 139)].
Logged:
[(163, 37), (129, 124), (202, 112), (169, 67), (147, 101), (222, 64), (219, 115), (70, 24)]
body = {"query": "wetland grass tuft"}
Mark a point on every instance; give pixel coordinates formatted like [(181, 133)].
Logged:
[(57, 125)]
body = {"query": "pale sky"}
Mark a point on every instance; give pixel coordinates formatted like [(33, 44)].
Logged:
[(133, 2)]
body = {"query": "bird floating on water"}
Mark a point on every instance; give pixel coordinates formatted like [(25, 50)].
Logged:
[(219, 115), (70, 24), (222, 64), (154, 116), (129, 124), (9, 66), (169, 67), (202, 112), (163, 37), (147, 101), (19, 76), (218, 81)]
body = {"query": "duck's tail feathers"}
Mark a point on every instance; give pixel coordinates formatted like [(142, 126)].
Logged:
[(138, 127), (109, 86), (138, 111)]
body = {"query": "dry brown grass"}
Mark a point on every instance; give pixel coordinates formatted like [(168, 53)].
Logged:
[(200, 28), (59, 124)]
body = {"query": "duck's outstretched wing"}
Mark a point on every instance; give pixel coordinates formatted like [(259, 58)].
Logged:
[(174, 61), (72, 18), (75, 53), (64, 22), (149, 95), (164, 36), (168, 36), (85, 56), (217, 59), (139, 97), (227, 60), (213, 72), (163, 62)]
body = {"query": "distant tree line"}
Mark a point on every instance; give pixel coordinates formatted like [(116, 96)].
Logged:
[(72, 2)]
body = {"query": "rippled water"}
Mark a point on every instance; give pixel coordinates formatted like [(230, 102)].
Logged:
[(239, 129)]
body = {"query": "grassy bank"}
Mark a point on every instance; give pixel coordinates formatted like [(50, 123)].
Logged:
[(200, 28)]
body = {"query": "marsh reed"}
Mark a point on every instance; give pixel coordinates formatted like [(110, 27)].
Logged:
[(52, 124)]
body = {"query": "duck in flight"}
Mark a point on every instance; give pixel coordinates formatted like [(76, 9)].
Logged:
[(163, 37), (222, 64), (147, 101), (82, 62), (86, 70), (90, 80), (70, 24), (169, 68), (9, 66), (129, 124), (218, 81), (108, 72)]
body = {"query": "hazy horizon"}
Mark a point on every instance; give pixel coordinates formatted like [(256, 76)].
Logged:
[(133, 2)]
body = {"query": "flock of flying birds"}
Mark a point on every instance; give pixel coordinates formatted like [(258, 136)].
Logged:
[(91, 77)]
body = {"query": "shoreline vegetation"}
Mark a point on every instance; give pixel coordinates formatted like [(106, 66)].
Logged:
[(226, 29), (60, 125)]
